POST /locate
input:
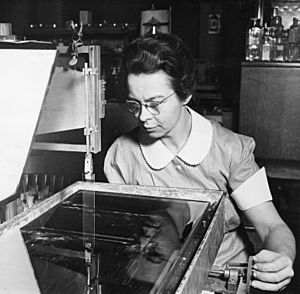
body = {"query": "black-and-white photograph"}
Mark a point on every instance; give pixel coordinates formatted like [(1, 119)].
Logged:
[(149, 147)]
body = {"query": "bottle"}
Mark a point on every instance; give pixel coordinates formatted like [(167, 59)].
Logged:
[(251, 24), (293, 46), (276, 23), (279, 49), (285, 42), (273, 43), (266, 46), (255, 41)]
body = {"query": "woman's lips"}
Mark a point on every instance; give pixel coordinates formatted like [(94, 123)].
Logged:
[(149, 129)]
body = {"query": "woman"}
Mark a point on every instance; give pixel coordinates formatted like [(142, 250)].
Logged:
[(177, 147)]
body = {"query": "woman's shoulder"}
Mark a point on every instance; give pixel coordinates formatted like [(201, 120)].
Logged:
[(124, 148), (224, 136), (127, 139)]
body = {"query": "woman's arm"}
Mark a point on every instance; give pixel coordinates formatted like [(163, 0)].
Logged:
[(273, 266)]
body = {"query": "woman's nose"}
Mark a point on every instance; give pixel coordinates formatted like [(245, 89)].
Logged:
[(145, 113)]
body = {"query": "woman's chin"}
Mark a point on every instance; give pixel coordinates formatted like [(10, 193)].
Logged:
[(152, 133)]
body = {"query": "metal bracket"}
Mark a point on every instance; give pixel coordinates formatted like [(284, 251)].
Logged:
[(76, 40), (92, 130), (88, 168), (92, 262), (90, 71), (233, 274)]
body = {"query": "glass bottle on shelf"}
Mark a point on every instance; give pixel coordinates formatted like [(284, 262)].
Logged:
[(276, 23), (255, 33), (251, 24), (279, 48), (273, 43), (293, 41), (285, 41), (274, 15), (267, 45), (297, 43)]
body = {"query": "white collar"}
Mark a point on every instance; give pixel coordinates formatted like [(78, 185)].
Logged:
[(157, 155)]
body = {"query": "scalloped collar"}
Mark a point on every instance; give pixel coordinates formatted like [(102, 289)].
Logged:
[(197, 146)]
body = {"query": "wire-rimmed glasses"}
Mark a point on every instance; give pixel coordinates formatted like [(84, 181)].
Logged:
[(135, 106)]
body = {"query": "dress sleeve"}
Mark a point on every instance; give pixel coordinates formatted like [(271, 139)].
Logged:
[(248, 183), (114, 165), (242, 164)]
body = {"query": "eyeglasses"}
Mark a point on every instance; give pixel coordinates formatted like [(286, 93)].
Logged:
[(135, 106)]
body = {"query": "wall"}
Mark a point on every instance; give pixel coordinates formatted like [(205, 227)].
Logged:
[(189, 19), (22, 13), (224, 51)]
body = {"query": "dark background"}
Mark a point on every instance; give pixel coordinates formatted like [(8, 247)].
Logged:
[(224, 51)]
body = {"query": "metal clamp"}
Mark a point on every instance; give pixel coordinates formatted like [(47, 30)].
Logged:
[(233, 274), (90, 71), (76, 41), (92, 262)]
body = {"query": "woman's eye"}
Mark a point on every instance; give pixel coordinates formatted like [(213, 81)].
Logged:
[(153, 104)]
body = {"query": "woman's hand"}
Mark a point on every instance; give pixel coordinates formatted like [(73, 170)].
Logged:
[(273, 266), (272, 271)]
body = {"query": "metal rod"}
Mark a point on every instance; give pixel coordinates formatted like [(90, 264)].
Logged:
[(87, 121)]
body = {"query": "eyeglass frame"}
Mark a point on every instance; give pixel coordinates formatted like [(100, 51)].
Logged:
[(147, 105)]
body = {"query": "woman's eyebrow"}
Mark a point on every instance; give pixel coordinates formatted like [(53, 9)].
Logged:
[(130, 98), (154, 97), (148, 99)]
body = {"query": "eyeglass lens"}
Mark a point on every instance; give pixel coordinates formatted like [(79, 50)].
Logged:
[(133, 106), (153, 107)]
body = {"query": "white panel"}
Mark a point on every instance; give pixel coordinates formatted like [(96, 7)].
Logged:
[(24, 78), (64, 106), (17, 275)]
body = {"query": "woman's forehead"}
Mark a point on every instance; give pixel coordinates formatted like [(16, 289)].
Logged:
[(149, 84)]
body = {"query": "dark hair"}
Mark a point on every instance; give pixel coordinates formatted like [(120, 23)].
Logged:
[(167, 52)]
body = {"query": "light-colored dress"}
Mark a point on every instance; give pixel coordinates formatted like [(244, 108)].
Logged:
[(212, 158)]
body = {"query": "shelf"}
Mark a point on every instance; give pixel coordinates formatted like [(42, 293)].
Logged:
[(207, 87), (87, 31), (207, 92), (281, 169), (269, 64)]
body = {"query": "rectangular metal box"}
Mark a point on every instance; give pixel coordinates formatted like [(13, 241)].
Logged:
[(134, 236)]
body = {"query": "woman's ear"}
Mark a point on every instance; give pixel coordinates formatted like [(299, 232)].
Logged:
[(187, 100)]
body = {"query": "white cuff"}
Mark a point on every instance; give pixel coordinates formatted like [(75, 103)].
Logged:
[(253, 192)]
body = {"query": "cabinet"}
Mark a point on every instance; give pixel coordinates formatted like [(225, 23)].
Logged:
[(270, 108)]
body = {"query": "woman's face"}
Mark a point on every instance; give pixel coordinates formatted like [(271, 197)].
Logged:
[(155, 87)]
